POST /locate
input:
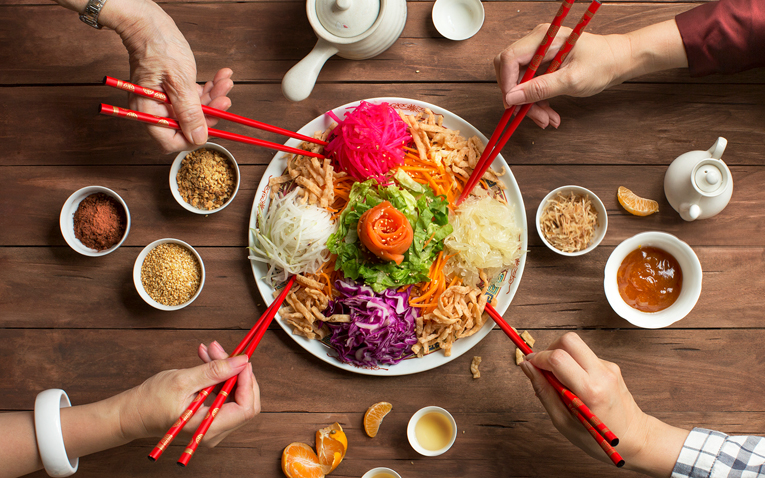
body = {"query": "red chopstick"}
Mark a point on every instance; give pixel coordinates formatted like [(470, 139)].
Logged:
[(599, 431), (110, 110), (161, 97), (256, 331), (229, 384), (498, 140)]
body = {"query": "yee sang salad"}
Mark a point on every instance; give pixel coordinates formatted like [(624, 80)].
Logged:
[(386, 266)]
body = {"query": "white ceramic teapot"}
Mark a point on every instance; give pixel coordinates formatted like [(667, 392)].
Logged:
[(353, 29), (698, 184)]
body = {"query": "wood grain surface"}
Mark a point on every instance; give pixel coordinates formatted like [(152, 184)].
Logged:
[(78, 323)]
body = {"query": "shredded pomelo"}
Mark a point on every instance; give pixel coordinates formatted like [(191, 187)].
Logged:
[(369, 142)]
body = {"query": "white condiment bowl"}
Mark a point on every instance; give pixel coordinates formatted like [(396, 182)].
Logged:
[(412, 436), (376, 471), (458, 19), (689, 291), (139, 284), (66, 220), (600, 229), (177, 166)]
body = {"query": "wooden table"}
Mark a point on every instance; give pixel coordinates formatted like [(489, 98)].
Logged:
[(77, 323)]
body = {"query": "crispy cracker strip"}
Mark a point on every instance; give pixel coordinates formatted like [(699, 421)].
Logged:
[(474, 366), (308, 282)]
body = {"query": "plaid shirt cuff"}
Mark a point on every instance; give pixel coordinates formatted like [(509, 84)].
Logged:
[(711, 454)]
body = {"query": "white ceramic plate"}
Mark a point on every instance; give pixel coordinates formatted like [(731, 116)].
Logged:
[(504, 287)]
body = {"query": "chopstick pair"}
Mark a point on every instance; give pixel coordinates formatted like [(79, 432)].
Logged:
[(252, 338), (498, 139), (173, 124), (597, 429)]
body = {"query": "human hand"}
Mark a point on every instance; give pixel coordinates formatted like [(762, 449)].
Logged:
[(152, 407), (646, 444), (593, 65), (161, 59)]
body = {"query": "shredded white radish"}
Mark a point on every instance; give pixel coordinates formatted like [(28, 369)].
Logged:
[(292, 238), (485, 237)]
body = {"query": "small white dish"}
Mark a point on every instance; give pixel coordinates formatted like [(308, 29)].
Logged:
[(689, 292), (600, 230), (139, 284), (66, 220), (177, 166), (458, 19), (412, 435), (381, 472)]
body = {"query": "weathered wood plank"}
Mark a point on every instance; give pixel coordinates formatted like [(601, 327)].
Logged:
[(56, 288), (33, 197), (234, 35), (623, 125), (493, 444), (668, 371)]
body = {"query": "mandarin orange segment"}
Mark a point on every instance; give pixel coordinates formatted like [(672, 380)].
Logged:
[(300, 461), (636, 205), (374, 417), (331, 445)]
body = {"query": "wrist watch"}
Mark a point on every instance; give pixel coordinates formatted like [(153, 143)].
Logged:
[(90, 16)]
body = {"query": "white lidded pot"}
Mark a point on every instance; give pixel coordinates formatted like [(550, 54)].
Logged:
[(352, 29), (698, 184)]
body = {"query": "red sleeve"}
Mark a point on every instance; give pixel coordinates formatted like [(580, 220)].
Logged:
[(726, 36)]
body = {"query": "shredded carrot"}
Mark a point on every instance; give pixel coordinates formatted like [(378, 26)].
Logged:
[(428, 241)]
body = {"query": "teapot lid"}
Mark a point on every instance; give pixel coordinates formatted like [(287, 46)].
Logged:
[(347, 18), (709, 179)]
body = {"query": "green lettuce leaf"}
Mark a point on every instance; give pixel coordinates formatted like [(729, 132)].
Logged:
[(428, 216)]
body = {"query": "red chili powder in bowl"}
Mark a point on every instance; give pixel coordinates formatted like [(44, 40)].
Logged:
[(99, 222)]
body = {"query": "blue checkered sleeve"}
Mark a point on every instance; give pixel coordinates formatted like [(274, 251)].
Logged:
[(711, 454)]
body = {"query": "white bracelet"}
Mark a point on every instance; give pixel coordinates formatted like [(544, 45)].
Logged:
[(50, 438)]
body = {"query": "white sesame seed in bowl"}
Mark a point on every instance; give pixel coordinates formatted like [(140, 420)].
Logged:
[(169, 274)]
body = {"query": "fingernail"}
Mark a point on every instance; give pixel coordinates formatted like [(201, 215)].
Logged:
[(239, 361), (216, 345), (514, 97), (531, 355), (526, 367), (199, 135)]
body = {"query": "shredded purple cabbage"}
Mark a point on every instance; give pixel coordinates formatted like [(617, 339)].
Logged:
[(382, 326)]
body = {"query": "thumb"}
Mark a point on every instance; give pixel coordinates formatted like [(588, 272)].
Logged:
[(215, 372), (187, 106), (537, 89)]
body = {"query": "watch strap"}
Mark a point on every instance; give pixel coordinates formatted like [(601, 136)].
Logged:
[(92, 10)]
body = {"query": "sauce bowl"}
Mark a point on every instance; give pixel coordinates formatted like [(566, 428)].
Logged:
[(412, 435), (689, 292)]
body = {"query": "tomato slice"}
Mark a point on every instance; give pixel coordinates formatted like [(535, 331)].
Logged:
[(386, 232)]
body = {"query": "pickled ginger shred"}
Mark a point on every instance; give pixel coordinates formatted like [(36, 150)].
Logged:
[(485, 237), (568, 222), (292, 237)]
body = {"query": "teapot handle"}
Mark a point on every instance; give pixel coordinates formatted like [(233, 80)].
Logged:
[(300, 80), (718, 148)]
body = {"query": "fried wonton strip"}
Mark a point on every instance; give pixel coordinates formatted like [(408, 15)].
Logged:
[(474, 367), (308, 282)]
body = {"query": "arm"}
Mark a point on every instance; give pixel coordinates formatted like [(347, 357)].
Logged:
[(648, 445), (161, 59), (596, 63), (144, 411)]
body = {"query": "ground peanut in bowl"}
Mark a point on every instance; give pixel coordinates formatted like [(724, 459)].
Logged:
[(206, 179), (171, 274)]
